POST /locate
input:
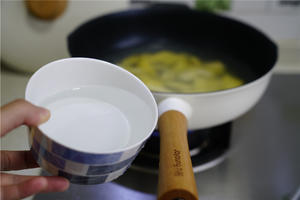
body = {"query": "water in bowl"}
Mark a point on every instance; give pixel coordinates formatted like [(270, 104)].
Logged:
[(96, 118)]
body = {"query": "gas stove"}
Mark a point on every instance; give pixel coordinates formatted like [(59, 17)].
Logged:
[(208, 148), (257, 156)]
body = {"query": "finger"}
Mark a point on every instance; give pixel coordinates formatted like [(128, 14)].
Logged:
[(33, 186), (13, 179), (56, 184), (21, 112), (15, 160)]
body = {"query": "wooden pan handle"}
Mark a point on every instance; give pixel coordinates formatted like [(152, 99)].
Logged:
[(176, 176)]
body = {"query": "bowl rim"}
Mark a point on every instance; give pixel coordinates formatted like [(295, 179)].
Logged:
[(153, 105)]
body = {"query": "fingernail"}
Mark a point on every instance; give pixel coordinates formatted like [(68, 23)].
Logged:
[(62, 185), (44, 115), (39, 183)]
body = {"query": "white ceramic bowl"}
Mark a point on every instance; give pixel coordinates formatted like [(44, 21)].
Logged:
[(77, 168), (74, 178), (101, 115)]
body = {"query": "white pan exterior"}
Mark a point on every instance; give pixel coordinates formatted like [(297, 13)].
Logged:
[(216, 108)]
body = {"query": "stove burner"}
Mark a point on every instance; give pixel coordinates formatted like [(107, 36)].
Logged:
[(208, 147)]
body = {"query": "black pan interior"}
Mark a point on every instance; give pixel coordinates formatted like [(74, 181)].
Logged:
[(246, 52)]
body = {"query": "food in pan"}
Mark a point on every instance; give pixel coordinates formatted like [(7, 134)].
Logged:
[(167, 71)]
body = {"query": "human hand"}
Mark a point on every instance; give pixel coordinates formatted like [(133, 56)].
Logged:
[(14, 114)]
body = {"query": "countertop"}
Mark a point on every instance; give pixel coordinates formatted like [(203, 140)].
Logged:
[(263, 162)]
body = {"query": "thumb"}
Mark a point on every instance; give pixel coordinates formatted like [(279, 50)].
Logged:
[(21, 112)]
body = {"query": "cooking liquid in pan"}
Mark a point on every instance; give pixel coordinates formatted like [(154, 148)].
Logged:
[(167, 71), (241, 71)]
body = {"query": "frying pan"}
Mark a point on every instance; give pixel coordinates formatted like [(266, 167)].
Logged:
[(246, 52)]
